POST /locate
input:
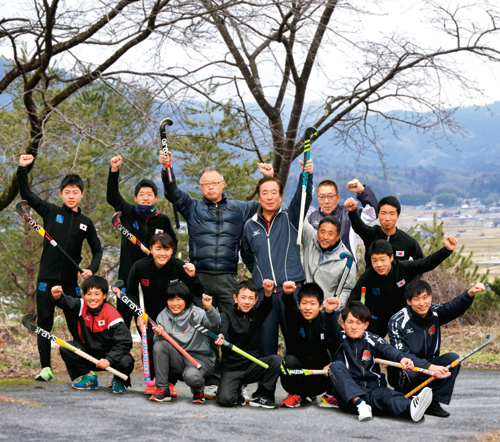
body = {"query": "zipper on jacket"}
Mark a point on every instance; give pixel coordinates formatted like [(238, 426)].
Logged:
[(217, 235)]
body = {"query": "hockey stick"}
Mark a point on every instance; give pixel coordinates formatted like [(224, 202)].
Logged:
[(345, 273), (43, 232), (310, 132), (139, 312), (144, 342), (164, 147), (300, 371), (420, 370), (489, 339), (133, 239), (207, 332), (45, 334)]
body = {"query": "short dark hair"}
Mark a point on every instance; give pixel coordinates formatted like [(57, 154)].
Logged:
[(269, 178), (210, 169), (390, 201), (145, 183), (332, 220), (72, 180), (164, 239), (329, 183), (178, 288), (417, 287), (358, 310), (95, 282), (311, 289), (380, 247), (246, 284)]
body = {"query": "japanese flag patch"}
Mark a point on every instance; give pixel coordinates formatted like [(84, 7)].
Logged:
[(401, 283), (101, 322), (83, 227), (400, 253), (158, 231)]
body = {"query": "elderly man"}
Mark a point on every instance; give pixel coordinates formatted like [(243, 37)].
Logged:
[(270, 249), (321, 258), (329, 198), (215, 227)]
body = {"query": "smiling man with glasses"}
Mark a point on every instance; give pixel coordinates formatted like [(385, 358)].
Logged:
[(329, 198)]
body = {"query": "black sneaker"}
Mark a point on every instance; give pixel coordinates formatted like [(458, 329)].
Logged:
[(435, 409), (262, 401), (241, 398)]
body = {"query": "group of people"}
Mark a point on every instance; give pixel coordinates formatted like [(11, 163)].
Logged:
[(301, 292)]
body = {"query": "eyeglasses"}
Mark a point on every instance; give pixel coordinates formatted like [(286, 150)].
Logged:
[(211, 184), (331, 196)]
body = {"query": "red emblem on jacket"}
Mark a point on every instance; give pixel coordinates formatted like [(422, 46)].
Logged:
[(366, 356), (145, 282), (432, 330)]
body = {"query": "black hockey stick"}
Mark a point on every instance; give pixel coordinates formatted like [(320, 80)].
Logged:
[(300, 371), (310, 132), (345, 273), (116, 287), (164, 147), (20, 209), (133, 239), (45, 334), (207, 332), (489, 339)]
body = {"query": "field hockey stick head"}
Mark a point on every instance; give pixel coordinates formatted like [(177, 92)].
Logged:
[(116, 218), (284, 368), (349, 258), (26, 322), (117, 287), (489, 338), (310, 132), (20, 207), (196, 325), (166, 122)]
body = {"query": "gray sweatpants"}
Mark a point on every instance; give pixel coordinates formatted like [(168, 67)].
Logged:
[(171, 366)]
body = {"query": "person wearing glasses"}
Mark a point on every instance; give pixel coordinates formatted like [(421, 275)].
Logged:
[(329, 198), (215, 228)]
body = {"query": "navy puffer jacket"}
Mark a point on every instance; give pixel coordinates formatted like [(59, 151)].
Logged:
[(215, 229)]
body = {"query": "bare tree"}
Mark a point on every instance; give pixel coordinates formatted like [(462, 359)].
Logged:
[(272, 51)]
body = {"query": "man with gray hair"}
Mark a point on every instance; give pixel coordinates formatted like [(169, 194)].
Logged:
[(215, 227)]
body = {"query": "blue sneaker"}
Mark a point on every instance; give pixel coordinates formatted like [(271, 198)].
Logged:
[(87, 383), (118, 386)]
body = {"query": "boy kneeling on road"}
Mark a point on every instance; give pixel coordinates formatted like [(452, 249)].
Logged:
[(241, 326), (170, 364), (306, 346), (356, 379), (103, 333)]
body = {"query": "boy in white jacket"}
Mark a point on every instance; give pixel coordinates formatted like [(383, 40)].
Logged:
[(170, 364)]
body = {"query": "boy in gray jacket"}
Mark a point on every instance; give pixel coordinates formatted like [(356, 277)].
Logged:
[(170, 364)]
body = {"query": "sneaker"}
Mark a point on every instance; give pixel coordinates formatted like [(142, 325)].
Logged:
[(118, 386), (198, 398), (364, 412), (161, 395), (420, 403), (291, 401), (245, 395), (435, 409), (263, 402), (173, 391), (151, 390), (309, 399), (211, 392), (241, 398), (87, 383), (45, 375), (328, 401)]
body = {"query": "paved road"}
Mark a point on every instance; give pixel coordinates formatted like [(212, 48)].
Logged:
[(64, 414)]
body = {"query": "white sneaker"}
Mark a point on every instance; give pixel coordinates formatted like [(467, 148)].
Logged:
[(245, 395), (364, 412), (420, 403), (211, 392)]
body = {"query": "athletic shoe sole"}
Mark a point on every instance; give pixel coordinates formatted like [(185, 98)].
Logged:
[(167, 399), (255, 404), (424, 400), (85, 388)]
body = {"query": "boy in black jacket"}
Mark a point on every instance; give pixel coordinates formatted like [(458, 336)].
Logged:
[(69, 228), (241, 326), (143, 220), (388, 211), (306, 346), (415, 330), (385, 281), (103, 335), (357, 382)]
